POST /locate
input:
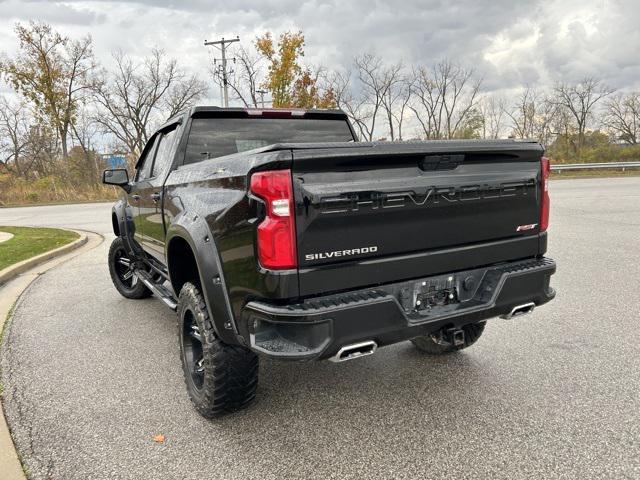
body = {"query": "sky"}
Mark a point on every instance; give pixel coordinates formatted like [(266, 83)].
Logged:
[(509, 43)]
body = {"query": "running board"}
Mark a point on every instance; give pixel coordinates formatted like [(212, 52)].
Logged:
[(159, 291)]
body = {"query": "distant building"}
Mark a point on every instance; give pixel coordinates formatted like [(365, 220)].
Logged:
[(115, 160)]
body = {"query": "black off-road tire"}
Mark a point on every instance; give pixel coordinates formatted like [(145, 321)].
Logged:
[(121, 270), (220, 378), (429, 345)]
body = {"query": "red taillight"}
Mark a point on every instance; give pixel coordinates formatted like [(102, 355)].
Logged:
[(544, 210), (277, 232)]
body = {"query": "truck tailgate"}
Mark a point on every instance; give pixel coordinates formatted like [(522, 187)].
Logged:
[(375, 204)]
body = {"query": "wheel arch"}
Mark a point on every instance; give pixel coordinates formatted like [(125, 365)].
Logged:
[(117, 218), (122, 222), (115, 224), (181, 263), (192, 256)]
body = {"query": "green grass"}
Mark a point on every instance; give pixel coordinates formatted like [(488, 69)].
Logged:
[(28, 242)]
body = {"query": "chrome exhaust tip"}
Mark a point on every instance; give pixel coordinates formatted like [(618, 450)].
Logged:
[(519, 310), (353, 351)]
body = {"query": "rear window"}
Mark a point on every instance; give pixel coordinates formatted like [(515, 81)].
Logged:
[(216, 137)]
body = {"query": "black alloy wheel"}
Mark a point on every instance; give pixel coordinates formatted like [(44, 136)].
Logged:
[(122, 269), (192, 354)]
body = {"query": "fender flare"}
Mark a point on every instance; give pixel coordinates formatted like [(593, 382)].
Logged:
[(124, 222), (194, 230), (117, 211)]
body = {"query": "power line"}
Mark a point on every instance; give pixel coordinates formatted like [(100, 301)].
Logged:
[(222, 46)]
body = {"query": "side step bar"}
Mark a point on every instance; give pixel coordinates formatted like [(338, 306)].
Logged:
[(159, 291)]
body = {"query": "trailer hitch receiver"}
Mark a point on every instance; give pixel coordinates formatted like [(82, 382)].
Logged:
[(449, 336)]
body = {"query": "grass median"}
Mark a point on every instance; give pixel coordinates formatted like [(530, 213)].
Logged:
[(28, 242)]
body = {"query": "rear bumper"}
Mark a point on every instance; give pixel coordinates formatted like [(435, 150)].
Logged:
[(317, 328)]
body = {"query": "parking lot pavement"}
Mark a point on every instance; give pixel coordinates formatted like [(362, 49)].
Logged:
[(91, 377), (95, 217)]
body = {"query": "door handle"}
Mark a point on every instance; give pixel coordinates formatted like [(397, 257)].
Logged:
[(135, 197), (155, 196)]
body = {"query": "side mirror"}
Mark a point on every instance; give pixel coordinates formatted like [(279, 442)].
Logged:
[(118, 177)]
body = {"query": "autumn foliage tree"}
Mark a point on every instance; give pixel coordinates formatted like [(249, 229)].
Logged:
[(53, 72), (290, 83)]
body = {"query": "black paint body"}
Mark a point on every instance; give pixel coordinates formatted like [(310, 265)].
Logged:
[(430, 209)]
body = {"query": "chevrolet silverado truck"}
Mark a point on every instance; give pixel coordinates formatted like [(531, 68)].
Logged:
[(275, 233)]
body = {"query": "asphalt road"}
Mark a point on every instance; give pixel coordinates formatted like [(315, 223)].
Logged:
[(95, 217), (91, 377)]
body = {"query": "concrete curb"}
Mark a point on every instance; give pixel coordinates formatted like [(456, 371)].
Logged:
[(22, 275), (9, 460), (13, 271)]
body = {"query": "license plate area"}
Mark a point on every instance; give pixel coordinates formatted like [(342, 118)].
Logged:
[(441, 294), (435, 292)]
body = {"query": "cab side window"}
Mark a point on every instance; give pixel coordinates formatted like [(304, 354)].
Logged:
[(165, 151), (143, 170)]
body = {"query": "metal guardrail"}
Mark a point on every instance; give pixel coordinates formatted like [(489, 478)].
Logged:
[(559, 167)]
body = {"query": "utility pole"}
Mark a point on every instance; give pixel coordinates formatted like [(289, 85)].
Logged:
[(262, 92), (222, 46)]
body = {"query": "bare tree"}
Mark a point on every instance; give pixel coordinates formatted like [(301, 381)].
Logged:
[(374, 82), (186, 91), (492, 109), (523, 113), (622, 117), (546, 115), (404, 97), (85, 130), (579, 100), (445, 96), (533, 115), (564, 128), (340, 83), (28, 149), (14, 133), (42, 150), (137, 96), (396, 96), (355, 107)]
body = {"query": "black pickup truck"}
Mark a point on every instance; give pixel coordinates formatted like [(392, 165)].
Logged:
[(274, 232)]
